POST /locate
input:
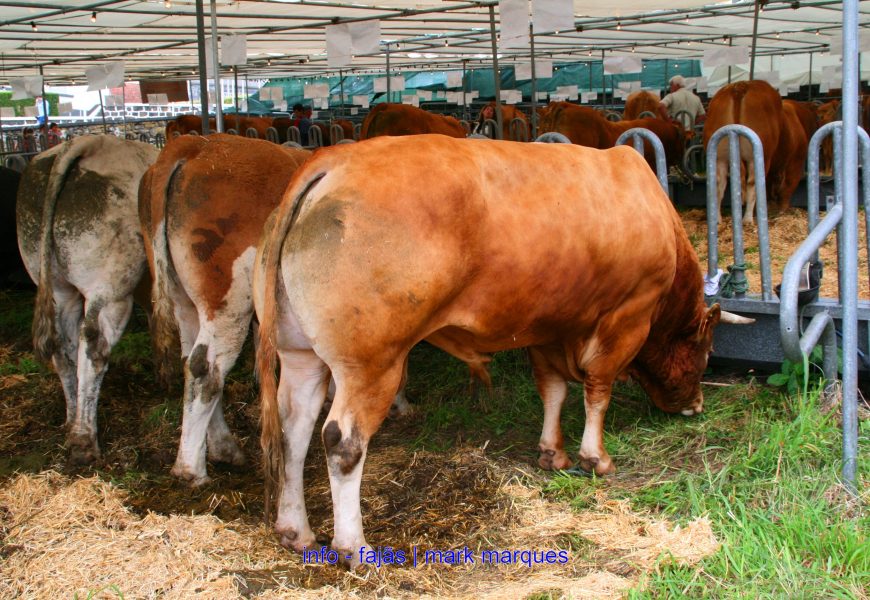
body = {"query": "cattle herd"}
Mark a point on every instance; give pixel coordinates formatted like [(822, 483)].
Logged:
[(343, 259)]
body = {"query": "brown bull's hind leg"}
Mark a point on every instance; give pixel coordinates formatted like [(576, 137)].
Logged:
[(553, 390), (593, 456), (362, 401)]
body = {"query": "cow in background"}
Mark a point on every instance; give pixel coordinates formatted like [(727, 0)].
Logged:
[(430, 243), (12, 272), (586, 126), (639, 102), (403, 119), (508, 114), (80, 240), (757, 105)]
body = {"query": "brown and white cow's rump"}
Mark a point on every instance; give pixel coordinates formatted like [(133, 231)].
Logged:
[(79, 236), (377, 247), (203, 205)]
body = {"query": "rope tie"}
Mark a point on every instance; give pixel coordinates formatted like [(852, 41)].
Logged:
[(730, 285)]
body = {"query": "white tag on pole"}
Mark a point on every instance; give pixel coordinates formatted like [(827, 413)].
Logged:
[(339, 46), (523, 71), (514, 23), (354, 111), (543, 69), (26, 87), (103, 76), (454, 79), (234, 50), (365, 37), (618, 65), (397, 83)]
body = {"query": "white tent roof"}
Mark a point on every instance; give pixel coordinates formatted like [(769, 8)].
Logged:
[(286, 37)]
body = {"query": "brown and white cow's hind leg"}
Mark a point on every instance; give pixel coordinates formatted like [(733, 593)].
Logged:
[(553, 390), (361, 404), (214, 353), (593, 455), (68, 318), (301, 392), (101, 329)]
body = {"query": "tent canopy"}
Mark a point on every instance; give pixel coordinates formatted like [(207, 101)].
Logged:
[(287, 38)]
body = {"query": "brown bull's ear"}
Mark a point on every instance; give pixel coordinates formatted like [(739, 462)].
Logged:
[(709, 322)]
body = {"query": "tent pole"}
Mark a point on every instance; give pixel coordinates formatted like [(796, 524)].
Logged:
[(810, 86), (730, 43), (203, 81), (389, 87), (102, 110), (236, 90), (495, 73), (464, 102), (603, 85), (534, 117), (754, 40), (216, 71), (247, 104), (341, 92), (45, 104)]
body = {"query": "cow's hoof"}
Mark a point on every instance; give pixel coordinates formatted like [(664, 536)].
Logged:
[(227, 453), (597, 464), (400, 408), (292, 540), (83, 451), (551, 459), (188, 477)]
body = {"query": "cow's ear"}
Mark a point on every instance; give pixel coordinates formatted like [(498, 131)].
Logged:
[(709, 322)]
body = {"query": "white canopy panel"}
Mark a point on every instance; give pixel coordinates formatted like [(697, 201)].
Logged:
[(288, 37)]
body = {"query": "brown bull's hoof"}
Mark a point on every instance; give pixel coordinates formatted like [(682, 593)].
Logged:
[(552, 459), (598, 465)]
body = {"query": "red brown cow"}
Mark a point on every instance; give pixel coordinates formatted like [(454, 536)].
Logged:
[(639, 102), (432, 243), (184, 124), (241, 124), (202, 206), (403, 119), (757, 105), (508, 114), (587, 127)]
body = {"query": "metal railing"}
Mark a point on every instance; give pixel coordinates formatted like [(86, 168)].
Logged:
[(637, 135), (734, 132)]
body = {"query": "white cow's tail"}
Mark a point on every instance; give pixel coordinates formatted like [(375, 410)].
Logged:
[(271, 437), (45, 339)]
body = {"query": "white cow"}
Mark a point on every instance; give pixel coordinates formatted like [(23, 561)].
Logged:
[(79, 235)]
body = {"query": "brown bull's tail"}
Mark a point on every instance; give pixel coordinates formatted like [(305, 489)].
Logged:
[(164, 329), (45, 342), (271, 436)]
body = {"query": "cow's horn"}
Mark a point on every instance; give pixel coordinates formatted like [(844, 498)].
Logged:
[(727, 317)]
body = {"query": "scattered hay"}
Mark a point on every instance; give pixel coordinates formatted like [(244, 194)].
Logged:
[(787, 231), (60, 536)]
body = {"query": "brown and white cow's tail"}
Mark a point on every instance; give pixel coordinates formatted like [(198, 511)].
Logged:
[(271, 436), (45, 339), (164, 329)]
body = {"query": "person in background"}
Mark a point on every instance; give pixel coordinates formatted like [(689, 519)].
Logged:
[(55, 135), (302, 119), (681, 99), (28, 140)]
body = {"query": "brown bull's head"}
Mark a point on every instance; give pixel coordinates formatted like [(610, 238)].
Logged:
[(670, 373)]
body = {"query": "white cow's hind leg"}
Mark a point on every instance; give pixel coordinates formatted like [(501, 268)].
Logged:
[(68, 318), (301, 393), (215, 351), (553, 390), (101, 329)]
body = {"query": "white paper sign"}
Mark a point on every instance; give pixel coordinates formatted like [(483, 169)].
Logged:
[(587, 96), (511, 96), (26, 87), (234, 50), (558, 97), (412, 100), (338, 45), (567, 90), (514, 18), (553, 15), (278, 92), (380, 84), (209, 71), (103, 76), (280, 105), (397, 84), (354, 111), (322, 102), (542, 95), (543, 69), (315, 90), (365, 37), (726, 55), (616, 65), (158, 99), (362, 100), (523, 71), (112, 100), (424, 94), (824, 87), (454, 79)]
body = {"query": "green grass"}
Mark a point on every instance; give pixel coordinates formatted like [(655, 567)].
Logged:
[(761, 465)]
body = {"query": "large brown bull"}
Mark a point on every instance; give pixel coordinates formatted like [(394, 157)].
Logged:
[(640, 102), (588, 267), (403, 119)]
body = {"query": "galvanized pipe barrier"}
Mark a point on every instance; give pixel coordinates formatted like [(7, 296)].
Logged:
[(490, 129), (646, 115), (294, 135), (551, 137), (272, 135), (686, 119), (357, 131), (252, 133), (691, 157), (734, 132), (465, 125), (637, 135), (231, 131), (519, 130), (336, 133), (315, 136), (612, 115)]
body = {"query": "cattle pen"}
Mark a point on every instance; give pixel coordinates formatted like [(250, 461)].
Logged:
[(763, 494)]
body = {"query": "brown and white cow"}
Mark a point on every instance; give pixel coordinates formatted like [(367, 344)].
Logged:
[(757, 105), (403, 119), (202, 206), (79, 236), (588, 267), (587, 127)]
